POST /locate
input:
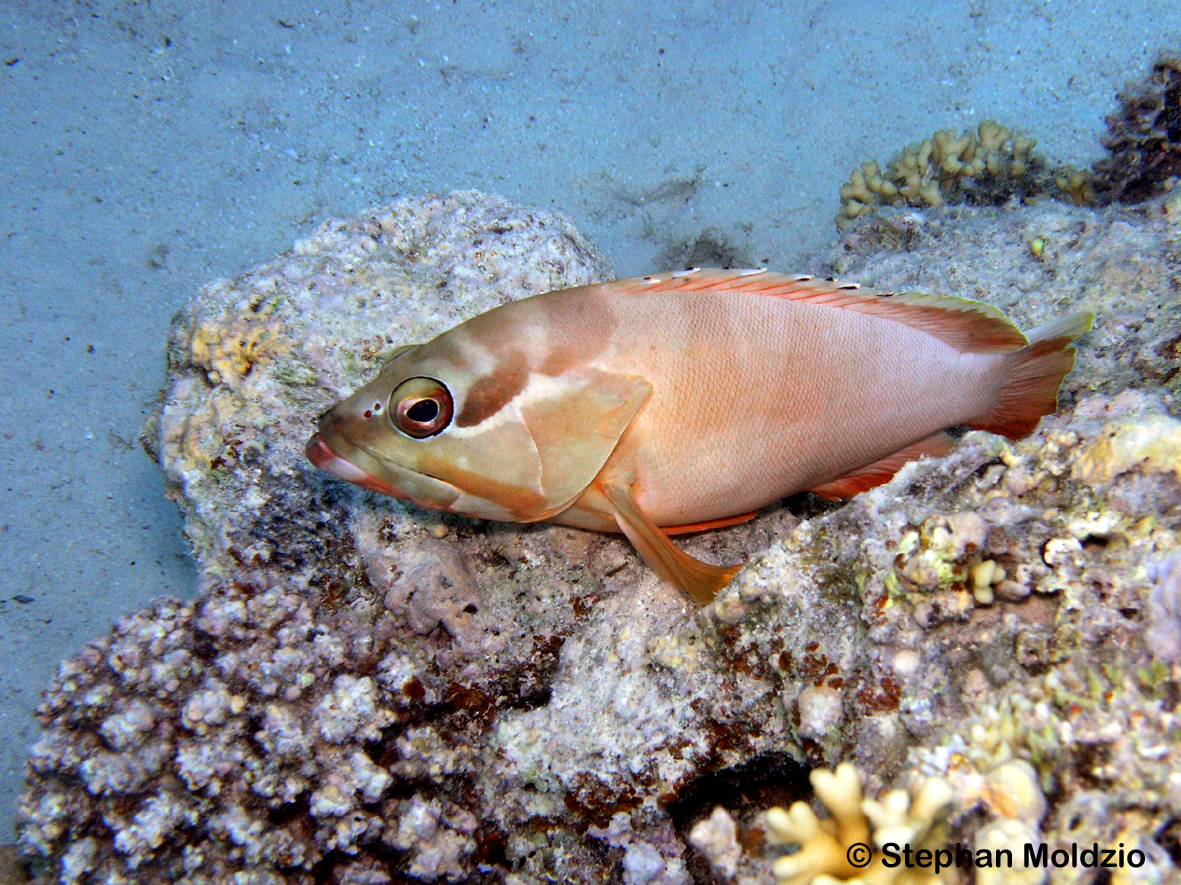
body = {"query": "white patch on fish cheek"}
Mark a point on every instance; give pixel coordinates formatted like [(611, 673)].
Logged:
[(492, 422), (540, 388), (537, 344), (479, 361), (537, 388)]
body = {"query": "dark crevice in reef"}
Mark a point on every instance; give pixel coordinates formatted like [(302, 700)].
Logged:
[(768, 779), (710, 248)]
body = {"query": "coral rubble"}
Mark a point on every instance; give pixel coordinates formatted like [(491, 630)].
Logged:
[(368, 693)]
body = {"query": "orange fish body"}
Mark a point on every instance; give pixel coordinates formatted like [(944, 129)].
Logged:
[(679, 401)]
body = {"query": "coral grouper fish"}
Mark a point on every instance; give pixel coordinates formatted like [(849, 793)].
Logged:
[(685, 401)]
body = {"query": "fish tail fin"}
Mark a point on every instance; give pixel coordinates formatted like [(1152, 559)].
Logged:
[(1035, 373)]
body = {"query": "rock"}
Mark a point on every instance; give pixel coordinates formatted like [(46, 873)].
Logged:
[(368, 692)]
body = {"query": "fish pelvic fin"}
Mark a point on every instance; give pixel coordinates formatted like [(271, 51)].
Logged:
[(1035, 374), (698, 579), (881, 471)]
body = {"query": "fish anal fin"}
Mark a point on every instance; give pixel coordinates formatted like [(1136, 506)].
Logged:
[(881, 471), (1035, 373), (698, 579), (719, 523), (968, 326)]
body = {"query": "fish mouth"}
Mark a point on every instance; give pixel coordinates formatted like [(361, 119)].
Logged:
[(324, 448), (321, 455)]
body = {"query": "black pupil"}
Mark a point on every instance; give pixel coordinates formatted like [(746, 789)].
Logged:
[(423, 412)]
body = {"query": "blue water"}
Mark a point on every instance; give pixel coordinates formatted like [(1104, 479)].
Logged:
[(146, 150)]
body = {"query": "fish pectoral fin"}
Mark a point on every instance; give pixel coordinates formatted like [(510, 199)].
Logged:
[(700, 580), (881, 471), (576, 421)]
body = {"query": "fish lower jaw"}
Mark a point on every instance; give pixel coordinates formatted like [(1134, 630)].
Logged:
[(321, 455)]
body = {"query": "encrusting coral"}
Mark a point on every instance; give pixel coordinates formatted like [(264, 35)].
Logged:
[(367, 693)]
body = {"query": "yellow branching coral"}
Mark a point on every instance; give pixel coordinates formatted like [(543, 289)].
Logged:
[(838, 848), (989, 163), (1078, 185)]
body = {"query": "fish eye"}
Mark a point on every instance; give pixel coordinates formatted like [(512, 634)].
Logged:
[(421, 407), (423, 412)]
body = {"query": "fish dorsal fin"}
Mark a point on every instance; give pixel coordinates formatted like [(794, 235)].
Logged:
[(882, 471), (968, 326)]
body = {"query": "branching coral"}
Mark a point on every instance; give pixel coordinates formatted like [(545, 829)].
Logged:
[(993, 165), (832, 849), (989, 165), (903, 838)]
